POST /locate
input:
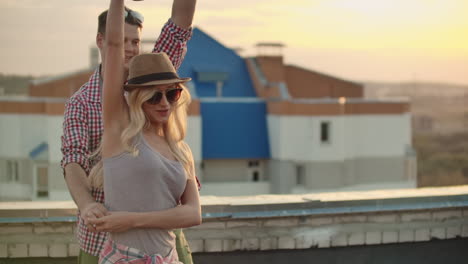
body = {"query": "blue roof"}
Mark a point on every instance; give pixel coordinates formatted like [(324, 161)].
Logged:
[(234, 130), (206, 55), (234, 125), (43, 146)]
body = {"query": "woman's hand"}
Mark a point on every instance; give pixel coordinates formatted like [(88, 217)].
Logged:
[(113, 222), (93, 211)]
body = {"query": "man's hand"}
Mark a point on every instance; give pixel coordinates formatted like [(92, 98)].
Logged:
[(93, 211), (113, 222)]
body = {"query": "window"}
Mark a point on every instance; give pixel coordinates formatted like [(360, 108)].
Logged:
[(12, 171), (253, 163), (325, 132), (254, 173), (255, 176)]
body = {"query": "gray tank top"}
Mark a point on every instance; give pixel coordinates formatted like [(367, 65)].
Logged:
[(147, 182)]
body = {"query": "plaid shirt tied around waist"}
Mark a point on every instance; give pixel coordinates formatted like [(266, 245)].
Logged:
[(118, 253)]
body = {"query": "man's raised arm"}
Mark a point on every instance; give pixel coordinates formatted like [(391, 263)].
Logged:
[(183, 12)]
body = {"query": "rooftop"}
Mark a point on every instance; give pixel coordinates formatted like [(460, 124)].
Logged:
[(271, 205)]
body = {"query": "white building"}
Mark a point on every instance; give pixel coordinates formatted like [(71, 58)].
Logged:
[(256, 126)]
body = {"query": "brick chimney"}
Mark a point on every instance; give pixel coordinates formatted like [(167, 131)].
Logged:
[(270, 59)]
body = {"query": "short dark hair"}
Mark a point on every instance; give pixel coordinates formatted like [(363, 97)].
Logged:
[(129, 19)]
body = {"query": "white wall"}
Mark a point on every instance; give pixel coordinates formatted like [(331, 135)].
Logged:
[(15, 191), (353, 136), (19, 134), (233, 170), (235, 188), (194, 137), (377, 135), (60, 195), (54, 132), (298, 138)]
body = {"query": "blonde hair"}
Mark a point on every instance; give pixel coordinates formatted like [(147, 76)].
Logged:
[(173, 131)]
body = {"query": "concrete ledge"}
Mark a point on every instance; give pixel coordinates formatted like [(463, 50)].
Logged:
[(265, 223), (268, 206)]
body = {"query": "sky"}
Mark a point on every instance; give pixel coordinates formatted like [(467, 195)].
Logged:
[(358, 40)]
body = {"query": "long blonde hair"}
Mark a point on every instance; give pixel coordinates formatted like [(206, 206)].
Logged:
[(173, 130)]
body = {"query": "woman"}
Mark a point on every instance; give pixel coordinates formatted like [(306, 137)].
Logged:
[(148, 169)]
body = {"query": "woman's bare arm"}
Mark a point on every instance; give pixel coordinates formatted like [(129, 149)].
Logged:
[(185, 215), (113, 101)]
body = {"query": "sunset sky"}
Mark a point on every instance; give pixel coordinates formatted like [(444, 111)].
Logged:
[(360, 40)]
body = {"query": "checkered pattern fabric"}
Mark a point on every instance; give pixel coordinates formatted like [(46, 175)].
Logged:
[(118, 253), (82, 127)]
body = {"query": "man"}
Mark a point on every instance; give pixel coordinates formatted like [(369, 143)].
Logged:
[(82, 127)]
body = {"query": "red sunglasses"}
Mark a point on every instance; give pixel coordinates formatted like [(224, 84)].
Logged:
[(172, 95)]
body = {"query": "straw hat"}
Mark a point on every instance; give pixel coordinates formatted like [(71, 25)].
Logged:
[(151, 69)]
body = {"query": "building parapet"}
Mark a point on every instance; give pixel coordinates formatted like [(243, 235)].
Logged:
[(267, 206), (326, 108), (348, 100), (36, 107), (265, 222), (54, 106), (231, 100), (328, 100), (29, 99), (59, 77)]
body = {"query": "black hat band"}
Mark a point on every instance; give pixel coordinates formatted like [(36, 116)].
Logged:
[(160, 76)]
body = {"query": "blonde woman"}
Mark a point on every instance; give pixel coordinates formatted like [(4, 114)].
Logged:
[(148, 170)]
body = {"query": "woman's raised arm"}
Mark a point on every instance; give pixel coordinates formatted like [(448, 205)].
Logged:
[(113, 101)]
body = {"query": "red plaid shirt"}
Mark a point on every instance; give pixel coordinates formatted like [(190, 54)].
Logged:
[(82, 127)]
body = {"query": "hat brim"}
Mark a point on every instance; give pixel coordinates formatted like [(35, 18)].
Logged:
[(130, 87)]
